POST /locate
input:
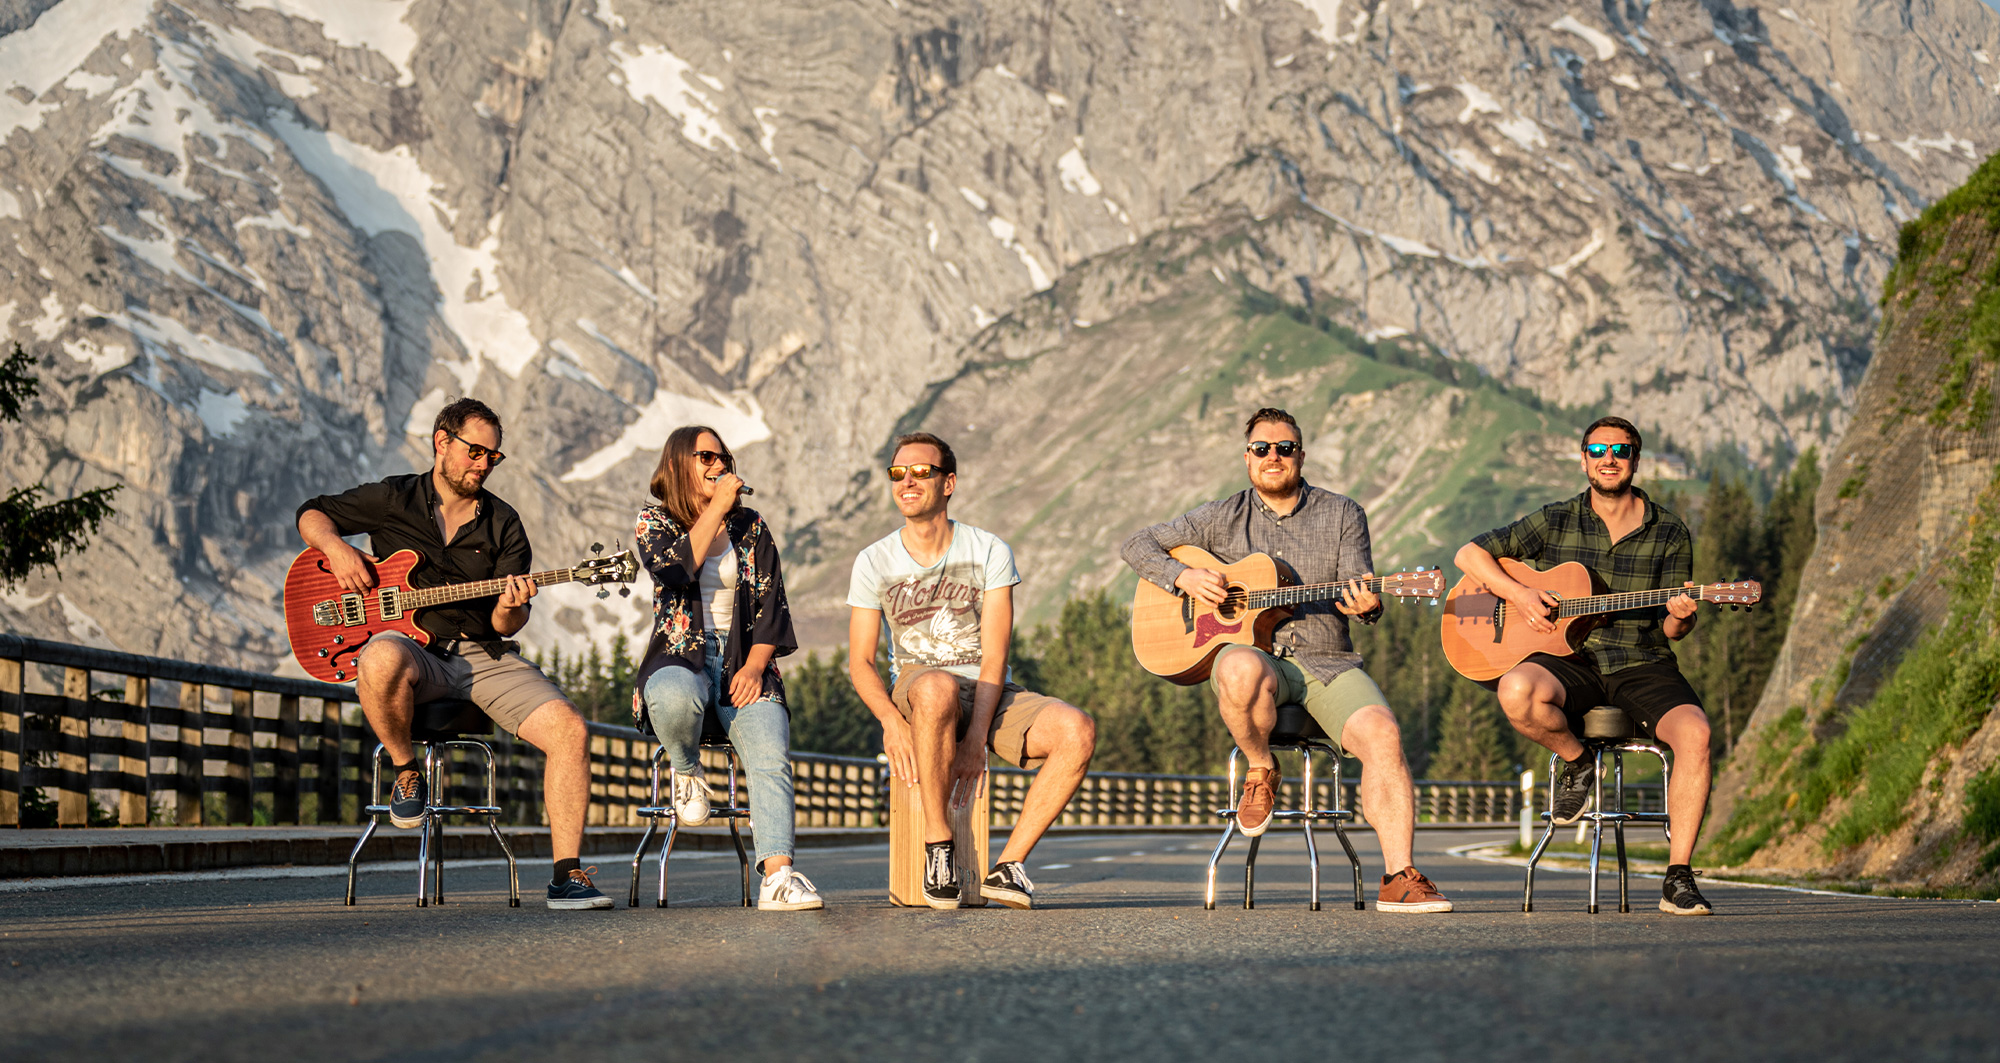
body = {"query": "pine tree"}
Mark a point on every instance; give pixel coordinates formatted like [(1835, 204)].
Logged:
[(32, 534), (1469, 740)]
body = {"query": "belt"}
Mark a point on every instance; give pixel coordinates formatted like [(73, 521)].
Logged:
[(456, 647)]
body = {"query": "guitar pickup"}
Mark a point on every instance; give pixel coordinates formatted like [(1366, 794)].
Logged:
[(353, 611), (326, 614), (390, 602)]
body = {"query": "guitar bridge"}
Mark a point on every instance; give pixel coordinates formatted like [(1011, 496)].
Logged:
[(1187, 614), (353, 611), (326, 614), (1499, 618), (390, 602)]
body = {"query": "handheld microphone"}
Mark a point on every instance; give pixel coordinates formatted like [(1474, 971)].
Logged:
[(744, 489)]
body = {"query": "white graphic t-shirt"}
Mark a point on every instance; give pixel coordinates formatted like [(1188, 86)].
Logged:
[(932, 612)]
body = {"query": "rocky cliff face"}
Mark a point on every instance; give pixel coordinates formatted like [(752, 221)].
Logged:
[(257, 243)]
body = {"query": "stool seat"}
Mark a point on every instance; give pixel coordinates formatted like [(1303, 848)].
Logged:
[(1295, 729), (436, 726), (713, 736), (1607, 724)]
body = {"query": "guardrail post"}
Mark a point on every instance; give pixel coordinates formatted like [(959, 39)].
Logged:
[(188, 763), (72, 742), (285, 763), (135, 755), (327, 786), (11, 775), (240, 785)]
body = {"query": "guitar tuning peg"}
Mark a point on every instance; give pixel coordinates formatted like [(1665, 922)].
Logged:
[(624, 592), (603, 592), (596, 548)]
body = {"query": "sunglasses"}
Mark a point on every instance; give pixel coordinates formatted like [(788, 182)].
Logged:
[(922, 471), (1285, 448), (477, 452), (709, 457), (1621, 451)]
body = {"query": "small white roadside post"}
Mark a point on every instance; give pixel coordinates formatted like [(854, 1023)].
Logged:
[(1527, 806)]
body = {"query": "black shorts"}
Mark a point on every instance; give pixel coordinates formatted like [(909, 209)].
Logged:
[(1646, 692)]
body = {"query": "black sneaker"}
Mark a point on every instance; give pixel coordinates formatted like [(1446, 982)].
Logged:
[(1009, 884), (1573, 789), (408, 798), (1678, 895), (576, 892), (940, 875)]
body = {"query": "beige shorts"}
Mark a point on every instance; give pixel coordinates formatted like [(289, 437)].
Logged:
[(1332, 704), (507, 688), (1011, 720)]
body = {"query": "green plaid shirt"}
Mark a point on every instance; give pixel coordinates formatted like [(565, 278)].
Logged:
[(1659, 554)]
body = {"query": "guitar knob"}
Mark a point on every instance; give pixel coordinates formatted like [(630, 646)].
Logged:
[(340, 675), (596, 548), (603, 593), (624, 592), (339, 640), (322, 651)]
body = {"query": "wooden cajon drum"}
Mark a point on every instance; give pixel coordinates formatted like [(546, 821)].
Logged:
[(970, 828)]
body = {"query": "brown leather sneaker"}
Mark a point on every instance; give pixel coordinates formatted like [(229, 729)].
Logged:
[(1260, 794), (1409, 891)]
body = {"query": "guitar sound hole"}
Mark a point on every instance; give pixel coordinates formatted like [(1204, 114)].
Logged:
[(1232, 605)]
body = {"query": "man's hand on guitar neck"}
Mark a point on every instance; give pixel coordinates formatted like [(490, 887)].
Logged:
[(1359, 600), (1204, 585)]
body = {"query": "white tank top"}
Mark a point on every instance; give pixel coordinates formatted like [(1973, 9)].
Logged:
[(718, 591)]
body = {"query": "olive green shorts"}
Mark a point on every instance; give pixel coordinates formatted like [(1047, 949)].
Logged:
[(1329, 703)]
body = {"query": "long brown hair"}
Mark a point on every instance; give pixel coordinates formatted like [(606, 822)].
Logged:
[(673, 478)]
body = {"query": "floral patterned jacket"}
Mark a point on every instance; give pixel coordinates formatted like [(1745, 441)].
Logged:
[(761, 612)]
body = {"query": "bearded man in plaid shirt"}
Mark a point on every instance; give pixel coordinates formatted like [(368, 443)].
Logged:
[(1632, 544)]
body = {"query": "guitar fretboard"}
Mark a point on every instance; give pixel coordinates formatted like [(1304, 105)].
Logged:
[(425, 597), (1309, 592), (1616, 603)]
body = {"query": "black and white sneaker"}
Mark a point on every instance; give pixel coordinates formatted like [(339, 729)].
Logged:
[(575, 893), (1678, 895), (940, 875), (1573, 788), (408, 798), (1009, 884)]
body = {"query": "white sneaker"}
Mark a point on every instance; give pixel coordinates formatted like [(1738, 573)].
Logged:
[(785, 890), (690, 799)]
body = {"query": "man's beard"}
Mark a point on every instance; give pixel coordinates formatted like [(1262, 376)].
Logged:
[(1619, 490), (1286, 482), (462, 484)]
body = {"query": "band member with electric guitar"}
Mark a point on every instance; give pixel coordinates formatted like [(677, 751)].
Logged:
[(462, 533), (1323, 537), (1631, 546)]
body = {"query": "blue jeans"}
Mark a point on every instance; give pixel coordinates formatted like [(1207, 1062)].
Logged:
[(676, 699)]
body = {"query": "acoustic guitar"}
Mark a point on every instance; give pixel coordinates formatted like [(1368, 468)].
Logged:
[(1177, 637), (1483, 638), (328, 625)]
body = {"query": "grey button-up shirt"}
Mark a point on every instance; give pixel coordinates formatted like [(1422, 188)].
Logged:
[(1324, 538)]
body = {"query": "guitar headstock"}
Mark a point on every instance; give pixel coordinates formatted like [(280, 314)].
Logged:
[(1416, 583), (620, 567), (1740, 593)]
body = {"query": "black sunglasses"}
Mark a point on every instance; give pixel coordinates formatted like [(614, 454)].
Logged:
[(920, 471), (1621, 451), (709, 457), (1285, 448), (477, 452)]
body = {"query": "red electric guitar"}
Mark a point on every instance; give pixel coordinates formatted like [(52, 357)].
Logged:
[(328, 625)]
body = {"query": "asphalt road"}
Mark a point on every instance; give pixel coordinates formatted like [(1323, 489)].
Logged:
[(1122, 963)]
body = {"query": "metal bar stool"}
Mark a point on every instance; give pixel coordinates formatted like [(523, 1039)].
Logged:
[(437, 726), (1605, 730), (1296, 729), (712, 737)]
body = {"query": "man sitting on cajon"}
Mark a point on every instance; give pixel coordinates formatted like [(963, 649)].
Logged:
[(946, 590)]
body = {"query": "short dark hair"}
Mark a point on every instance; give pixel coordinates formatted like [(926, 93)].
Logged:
[(1619, 423), (1267, 414), (947, 461), (453, 417)]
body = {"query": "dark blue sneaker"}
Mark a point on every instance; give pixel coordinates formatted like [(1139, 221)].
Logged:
[(408, 798), (577, 892)]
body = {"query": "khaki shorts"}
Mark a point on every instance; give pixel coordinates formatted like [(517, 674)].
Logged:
[(507, 688), (1329, 703), (1011, 720)]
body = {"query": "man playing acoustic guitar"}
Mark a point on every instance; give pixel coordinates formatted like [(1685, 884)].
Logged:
[(1631, 544), (1323, 536), (463, 534)]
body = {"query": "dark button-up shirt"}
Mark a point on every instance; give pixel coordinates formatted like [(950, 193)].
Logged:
[(1324, 538), (401, 513), (1660, 553)]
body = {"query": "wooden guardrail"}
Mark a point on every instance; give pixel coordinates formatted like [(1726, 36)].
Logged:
[(98, 737)]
